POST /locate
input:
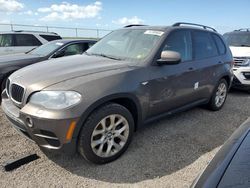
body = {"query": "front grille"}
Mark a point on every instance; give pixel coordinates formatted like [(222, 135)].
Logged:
[(16, 92), (239, 61), (8, 86)]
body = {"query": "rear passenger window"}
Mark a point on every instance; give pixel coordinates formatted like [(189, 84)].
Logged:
[(203, 45), (6, 40), (50, 37), (220, 44), (26, 40), (180, 41)]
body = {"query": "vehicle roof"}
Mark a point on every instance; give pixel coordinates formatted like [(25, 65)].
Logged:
[(29, 32), (166, 28), (74, 40), (238, 32)]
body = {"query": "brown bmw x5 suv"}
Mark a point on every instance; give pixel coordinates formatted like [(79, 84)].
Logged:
[(92, 103)]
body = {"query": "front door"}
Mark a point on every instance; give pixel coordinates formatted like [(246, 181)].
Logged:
[(172, 86)]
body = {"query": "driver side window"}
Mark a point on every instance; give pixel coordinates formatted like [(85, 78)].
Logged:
[(73, 49), (180, 41)]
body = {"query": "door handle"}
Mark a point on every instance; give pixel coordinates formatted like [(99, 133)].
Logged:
[(220, 62), (190, 68)]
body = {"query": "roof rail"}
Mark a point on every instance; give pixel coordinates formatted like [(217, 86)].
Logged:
[(193, 24), (34, 31), (243, 29), (133, 25)]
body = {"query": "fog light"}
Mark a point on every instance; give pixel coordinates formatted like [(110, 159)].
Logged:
[(29, 122)]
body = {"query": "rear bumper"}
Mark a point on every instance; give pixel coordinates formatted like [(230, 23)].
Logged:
[(46, 132)]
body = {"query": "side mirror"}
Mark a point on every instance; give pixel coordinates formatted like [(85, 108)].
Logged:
[(59, 54), (169, 58)]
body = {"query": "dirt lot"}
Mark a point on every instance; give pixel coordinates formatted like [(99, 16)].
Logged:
[(167, 153)]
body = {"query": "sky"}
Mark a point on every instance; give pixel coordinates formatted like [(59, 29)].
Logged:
[(224, 15)]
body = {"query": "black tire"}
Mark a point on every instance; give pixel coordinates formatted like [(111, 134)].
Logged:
[(212, 103), (3, 84), (85, 136)]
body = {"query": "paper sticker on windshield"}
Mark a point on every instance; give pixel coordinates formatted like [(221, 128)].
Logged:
[(59, 43), (154, 32)]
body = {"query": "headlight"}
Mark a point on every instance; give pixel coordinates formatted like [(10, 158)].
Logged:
[(55, 99), (246, 62)]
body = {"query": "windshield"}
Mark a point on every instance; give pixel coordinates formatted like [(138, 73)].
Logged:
[(133, 45), (46, 49), (238, 39)]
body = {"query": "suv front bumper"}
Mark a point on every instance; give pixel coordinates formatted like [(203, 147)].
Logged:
[(241, 81), (47, 132)]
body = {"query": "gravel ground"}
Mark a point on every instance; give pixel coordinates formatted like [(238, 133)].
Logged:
[(167, 153)]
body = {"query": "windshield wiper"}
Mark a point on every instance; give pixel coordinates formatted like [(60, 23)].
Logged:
[(30, 50), (104, 55)]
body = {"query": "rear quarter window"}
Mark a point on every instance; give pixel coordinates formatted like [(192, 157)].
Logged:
[(203, 45), (220, 44), (26, 40), (50, 37)]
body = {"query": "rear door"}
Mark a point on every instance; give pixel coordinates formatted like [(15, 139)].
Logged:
[(207, 62), (173, 86), (25, 42), (6, 44)]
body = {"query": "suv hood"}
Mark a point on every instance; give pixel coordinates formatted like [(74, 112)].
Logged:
[(46, 73), (240, 51)]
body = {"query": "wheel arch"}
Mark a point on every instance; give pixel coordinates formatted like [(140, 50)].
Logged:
[(228, 80), (127, 100)]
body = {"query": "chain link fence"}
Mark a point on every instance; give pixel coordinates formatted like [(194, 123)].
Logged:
[(65, 32)]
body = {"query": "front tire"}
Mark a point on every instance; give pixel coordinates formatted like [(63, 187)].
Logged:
[(3, 84), (106, 134), (219, 96)]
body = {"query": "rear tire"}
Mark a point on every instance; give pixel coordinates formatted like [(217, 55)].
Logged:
[(219, 96), (106, 134)]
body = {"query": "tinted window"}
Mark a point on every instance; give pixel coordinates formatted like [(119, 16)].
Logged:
[(220, 44), (238, 39), (73, 49), (203, 45), (180, 41), (50, 37), (90, 44), (26, 40), (6, 40), (85, 46)]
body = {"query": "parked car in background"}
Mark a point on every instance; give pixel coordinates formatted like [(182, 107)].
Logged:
[(93, 103), (230, 166), (50, 50), (239, 42), (22, 41)]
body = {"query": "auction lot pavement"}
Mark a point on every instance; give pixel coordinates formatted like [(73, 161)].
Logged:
[(170, 152)]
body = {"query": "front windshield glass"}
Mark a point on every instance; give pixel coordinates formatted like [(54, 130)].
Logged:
[(133, 45), (46, 49), (238, 39)]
